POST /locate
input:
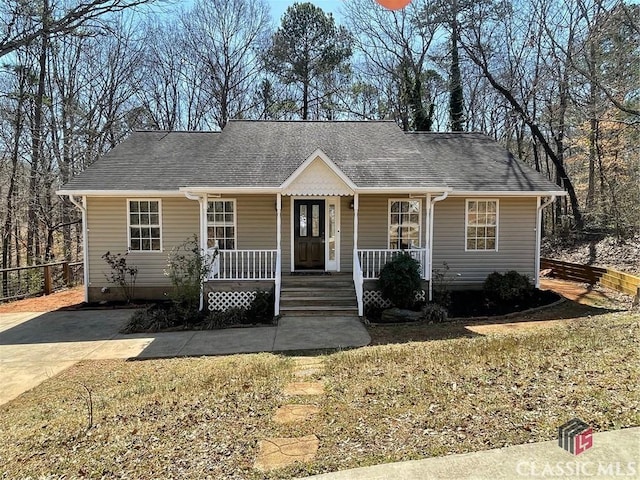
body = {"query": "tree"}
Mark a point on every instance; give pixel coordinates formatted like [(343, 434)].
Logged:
[(395, 46), (24, 23), (306, 50), (224, 39)]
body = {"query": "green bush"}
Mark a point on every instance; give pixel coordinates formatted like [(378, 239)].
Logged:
[(226, 318), (400, 280), (508, 288), (187, 267), (121, 275), (432, 312), (262, 308)]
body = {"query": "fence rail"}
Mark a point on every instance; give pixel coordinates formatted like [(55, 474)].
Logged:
[(21, 282), (607, 277)]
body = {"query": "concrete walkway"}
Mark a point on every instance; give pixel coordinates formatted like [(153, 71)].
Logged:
[(37, 346), (614, 454)]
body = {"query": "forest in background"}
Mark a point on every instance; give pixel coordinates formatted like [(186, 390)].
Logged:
[(557, 82)]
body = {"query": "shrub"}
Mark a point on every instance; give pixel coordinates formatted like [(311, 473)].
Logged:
[(226, 318), (122, 275), (187, 267), (155, 318), (507, 288), (400, 280), (262, 308), (432, 312), (441, 281)]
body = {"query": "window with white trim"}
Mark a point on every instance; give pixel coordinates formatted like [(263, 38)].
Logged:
[(481, 224), (144, 225), (404, 224), (221, 224)]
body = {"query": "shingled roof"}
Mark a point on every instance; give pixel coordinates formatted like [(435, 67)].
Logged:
[(475, 162), (264, 154)]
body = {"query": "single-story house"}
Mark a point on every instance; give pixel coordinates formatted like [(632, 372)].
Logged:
[(277, 198)]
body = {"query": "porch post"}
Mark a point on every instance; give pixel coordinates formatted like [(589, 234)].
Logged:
[(278, 221), (278, 253), (427, 237), (355, 221)]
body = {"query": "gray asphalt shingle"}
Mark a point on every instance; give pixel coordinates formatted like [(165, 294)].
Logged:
[(265, 153)]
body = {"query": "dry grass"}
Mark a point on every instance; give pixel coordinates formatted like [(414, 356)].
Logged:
[(202, 418)]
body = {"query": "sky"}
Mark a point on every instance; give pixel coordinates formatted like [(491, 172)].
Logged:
[(278, 7)]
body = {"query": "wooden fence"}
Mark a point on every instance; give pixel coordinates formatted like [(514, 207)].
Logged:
[(607, 277), (21, 282)]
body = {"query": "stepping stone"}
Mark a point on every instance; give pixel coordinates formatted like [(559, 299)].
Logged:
[(307, 361), (306, 366), (295, 413), (308, 371), (304, 388), (276, 453)]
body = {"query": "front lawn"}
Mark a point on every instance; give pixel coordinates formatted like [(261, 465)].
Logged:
[(395, 401)]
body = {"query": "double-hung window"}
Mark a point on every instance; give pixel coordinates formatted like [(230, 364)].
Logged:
[(481, 221), (221, 224), (144, 225), (404, 224)]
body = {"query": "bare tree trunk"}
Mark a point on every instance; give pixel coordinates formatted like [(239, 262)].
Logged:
[(33, 237), (556, 158)]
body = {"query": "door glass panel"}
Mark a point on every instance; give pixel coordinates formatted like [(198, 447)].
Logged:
[(315, 220), (332, 232), (303, 220)]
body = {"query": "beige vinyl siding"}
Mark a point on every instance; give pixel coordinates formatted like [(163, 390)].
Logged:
[(107, 231), (256, 222), (516, 240)]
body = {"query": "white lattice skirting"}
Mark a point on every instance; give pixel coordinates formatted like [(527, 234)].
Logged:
[(225, 300), (374, 298)]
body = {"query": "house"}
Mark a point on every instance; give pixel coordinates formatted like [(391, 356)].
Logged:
[(283, 197)]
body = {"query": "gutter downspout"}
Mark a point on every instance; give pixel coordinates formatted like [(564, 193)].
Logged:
[(431, 215), (201, 199), (539, 236), (85, 242)]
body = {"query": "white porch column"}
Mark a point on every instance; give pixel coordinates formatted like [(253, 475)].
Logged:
[(278, 279), (279, 221), (355, 221), (427, 238)]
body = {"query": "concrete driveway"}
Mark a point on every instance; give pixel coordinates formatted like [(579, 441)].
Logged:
[(37, 346)]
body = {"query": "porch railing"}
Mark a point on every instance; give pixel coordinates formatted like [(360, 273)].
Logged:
[(244, 265), (372, 260), (358, 282)]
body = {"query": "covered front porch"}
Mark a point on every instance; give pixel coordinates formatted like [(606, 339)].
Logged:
[(349, 234), (318, 221)]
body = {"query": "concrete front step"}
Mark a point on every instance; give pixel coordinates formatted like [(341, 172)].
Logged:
[(318, 295), (315, 293), (318, 299), (320, 313), (318, 286)]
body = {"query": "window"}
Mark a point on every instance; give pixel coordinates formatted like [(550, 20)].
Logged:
[(144, 225), (482, 225), (404, 224), (221, 224)]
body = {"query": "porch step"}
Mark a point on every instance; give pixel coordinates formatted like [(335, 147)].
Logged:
[(319, 311), (317, 301), (319, 295)]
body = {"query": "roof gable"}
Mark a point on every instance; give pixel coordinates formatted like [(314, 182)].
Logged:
[(318, 175)]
